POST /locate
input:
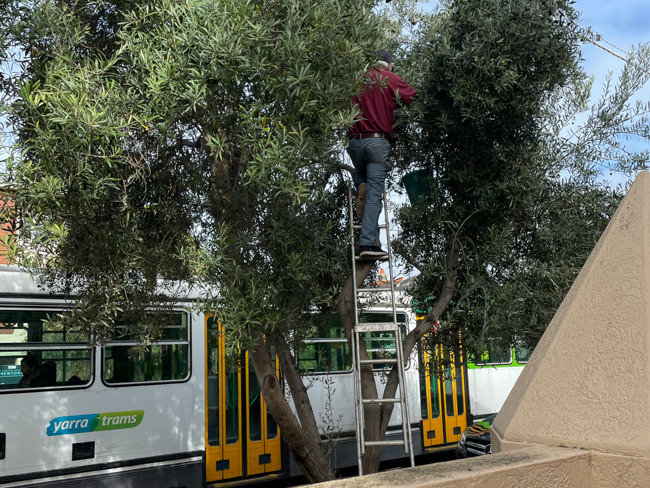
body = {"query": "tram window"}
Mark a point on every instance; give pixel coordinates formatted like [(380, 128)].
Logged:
[(232, 403), (522, 353), (29, 326), (495, 353), (271, 426), (36, 352), (460, 394), (324, 356), (381, 345), (424, 409), (167, 360), (254, 406), (213, 382), (435, 397), (329, 352), (173, 325), (449, 391), (326, 325)]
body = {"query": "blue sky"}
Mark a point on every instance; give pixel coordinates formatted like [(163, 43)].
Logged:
[(623, 23)]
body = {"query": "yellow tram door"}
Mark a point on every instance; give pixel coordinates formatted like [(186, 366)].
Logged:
[(263, 448), (443, 398), (223, 450), (433, 433), (455, 397)]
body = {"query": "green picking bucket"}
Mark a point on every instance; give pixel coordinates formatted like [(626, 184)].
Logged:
[(419, 185)]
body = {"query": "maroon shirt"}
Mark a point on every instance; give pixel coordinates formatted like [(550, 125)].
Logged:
[(378, 102)]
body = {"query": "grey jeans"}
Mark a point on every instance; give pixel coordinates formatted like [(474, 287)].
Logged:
[(370, 160)]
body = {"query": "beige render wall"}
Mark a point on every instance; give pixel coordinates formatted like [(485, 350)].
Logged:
[(532, 467), (616, 471), (587, 382), (537, 467)]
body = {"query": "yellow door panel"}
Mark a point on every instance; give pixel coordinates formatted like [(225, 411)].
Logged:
[(432, 423), (455, 402), (444, 418), (223, 409), (263, 450)]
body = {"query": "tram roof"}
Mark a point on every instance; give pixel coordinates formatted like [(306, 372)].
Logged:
[(16, 281)]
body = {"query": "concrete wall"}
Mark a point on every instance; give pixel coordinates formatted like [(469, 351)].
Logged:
[(533, 467)]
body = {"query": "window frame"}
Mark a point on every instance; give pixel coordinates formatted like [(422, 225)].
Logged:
[(47, 346), (164, 342), (483, 364), (404, 330), (325, 340)]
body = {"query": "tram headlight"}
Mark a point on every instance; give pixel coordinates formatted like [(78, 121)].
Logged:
[(463, 438)]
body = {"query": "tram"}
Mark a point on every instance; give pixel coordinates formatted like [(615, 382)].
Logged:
[(492, 377), (179, 415)]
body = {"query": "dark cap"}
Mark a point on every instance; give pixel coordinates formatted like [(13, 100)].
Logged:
[(385, 56)]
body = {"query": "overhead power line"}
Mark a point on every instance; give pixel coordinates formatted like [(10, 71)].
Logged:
[(588, 35), (594, 38)]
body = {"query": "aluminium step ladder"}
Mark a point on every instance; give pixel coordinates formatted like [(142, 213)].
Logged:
[(367, 333)]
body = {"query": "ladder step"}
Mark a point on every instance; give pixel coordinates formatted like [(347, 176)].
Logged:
[(371, 401), (363, 260), (376, 327), (379, 226), (383, 443), (378, 361), (374, 290)]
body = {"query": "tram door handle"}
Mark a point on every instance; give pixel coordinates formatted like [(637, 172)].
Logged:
[(3, 445)]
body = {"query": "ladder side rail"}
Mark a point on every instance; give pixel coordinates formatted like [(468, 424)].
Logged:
[(359, 407), (361, 431), (406, 419), (356, 373), (391, 277), (356, 339), (398, 340)]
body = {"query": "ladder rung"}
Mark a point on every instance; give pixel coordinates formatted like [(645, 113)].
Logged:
[(380, 400), (377, 361), (364, 260), (383, 443), (373, 290), (379, 226), (376, 327)]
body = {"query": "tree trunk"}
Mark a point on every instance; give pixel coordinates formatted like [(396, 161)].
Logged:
[(303, 440)]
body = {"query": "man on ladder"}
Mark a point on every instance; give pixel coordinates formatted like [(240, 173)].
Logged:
[(370, 139)]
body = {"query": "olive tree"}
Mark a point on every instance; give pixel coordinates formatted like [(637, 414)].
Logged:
[(167, 142), (513, 204)]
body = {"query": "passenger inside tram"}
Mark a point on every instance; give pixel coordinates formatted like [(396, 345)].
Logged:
[(35, 376)]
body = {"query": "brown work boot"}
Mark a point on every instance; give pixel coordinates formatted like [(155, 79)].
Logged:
[(360, 202)]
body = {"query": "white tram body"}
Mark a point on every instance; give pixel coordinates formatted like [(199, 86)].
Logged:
[(94, 433), (489, 386), (179, 416), (491, 380)]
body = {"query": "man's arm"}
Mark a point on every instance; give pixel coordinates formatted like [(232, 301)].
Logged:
[(402, 90)]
